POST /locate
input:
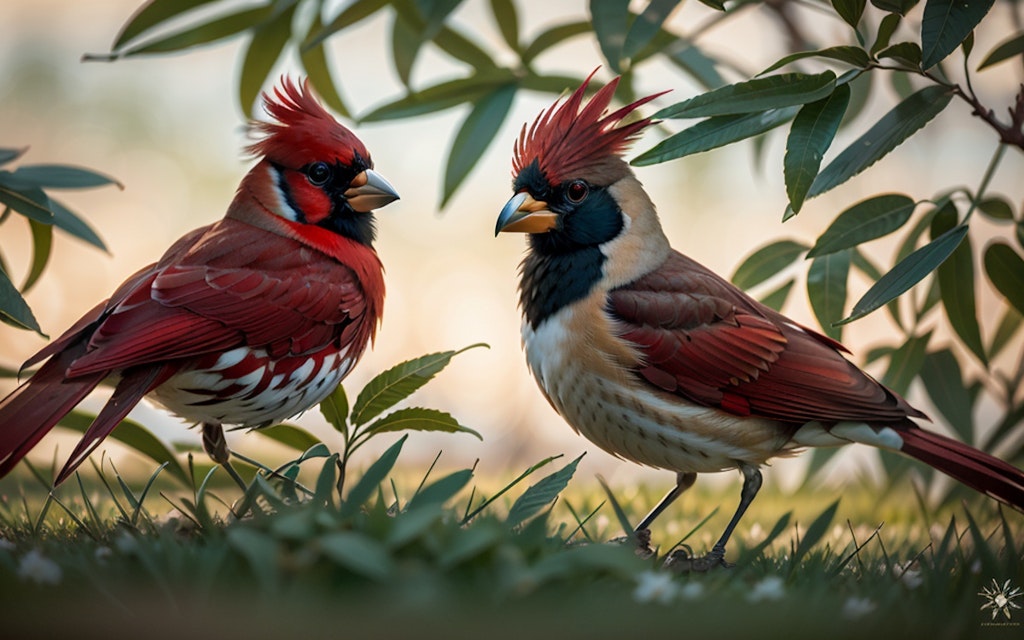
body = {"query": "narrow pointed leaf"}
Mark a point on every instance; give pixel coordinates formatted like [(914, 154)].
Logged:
[(151, 15), (356, 552), (375, 474), (868, 268), (646, 26), (290, 436), (766, 262), (956, 285), (334, 409), (714, 133), (30, 202), (810, 136), (552, 37), (996, 208), (537, 496), (419, 419), (908, 272), (136, 437), (556, 84), (1008, 327), (508, 21), (462, 48), (9, 155), (693, 61), (854, 56), (1005, 270), (947, 389), (863, 222), (441, 491), (1007, 49), (826, 289), (13, 308), (56, 176), (895, 6), (42, 245), (474, 136), (777, 299), (206, 33), (886, 28), (815, 532), (759, 94), (314, 62), (906, 362), (900, 123), (906, 53), (264, 50), (353, 13), (610, 19), (439, 97), (69, 222), (850, 10), (946, 24)]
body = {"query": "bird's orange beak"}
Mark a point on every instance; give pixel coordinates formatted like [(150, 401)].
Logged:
[(525, 215), (368, 191)]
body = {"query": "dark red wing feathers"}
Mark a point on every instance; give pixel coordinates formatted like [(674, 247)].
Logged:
[(705, 340)]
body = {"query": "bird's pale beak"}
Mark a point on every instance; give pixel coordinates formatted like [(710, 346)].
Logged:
[(368, 191), (525, 215)]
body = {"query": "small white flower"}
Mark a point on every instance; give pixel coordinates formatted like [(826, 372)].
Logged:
[(655, 586), (855, 608), (7, 545), (103, 553), (692, 591), (126, 544), (756, 531), (39, 569), (770, 588), (908, 575)]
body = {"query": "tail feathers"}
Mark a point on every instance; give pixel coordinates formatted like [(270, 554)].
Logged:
[(129, 391), (31, 410), (976, 469)]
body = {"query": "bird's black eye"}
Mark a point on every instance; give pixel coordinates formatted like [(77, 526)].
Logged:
[(577, 191), (318, 173)]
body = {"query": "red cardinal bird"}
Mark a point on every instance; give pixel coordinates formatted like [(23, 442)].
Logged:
[(656, 359), (245, 322)]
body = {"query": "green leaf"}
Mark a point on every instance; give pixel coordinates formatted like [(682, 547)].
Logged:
[(334, 409), (261, 552), (30, 202), (264, 50), (956, 285), (714, 4), (810, 136), (815, 532), (693, 61), (610, 19), (1005, 270), (440, 96), (153, 14), (474, 136), (906, 53), (757, 95), (906, 362), (907, 273), (462, 48), (897, 125), (552, 37), (777, 299), (399, 382), (371, 479), (713, 133), (290, 436), (886, 28), (67, 221), (10, 155), (206, 33), (1008, 327), (895, 6), (56, 176), (356, 552), (42, 245), (850, 11), (826, 289), (505, 15), (855, 56), (766, 261), (865, 221), (441, 491), (136, 437), (646, 26), (419, 419), (556, 84), (314, 62), (946, 24), (537, 496), (1012, 47), (947, 389), (13, 308), (996, 208), (353, 13)]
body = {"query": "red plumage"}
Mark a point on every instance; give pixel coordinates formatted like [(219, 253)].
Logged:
[(245, 322)]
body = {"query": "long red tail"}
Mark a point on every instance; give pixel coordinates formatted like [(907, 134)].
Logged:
[(31, 410), (974, 468)]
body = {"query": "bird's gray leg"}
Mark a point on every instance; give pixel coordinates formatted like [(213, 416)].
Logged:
[(683, 482), (716, 557), (216, 446)]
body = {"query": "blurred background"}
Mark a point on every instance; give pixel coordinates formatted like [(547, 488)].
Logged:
[(170, 130)]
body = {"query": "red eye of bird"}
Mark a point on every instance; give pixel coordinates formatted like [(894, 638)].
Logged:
[(577, 191), (318, 173)]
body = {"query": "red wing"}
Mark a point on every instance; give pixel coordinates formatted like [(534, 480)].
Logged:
[(234, 285), (705, 340)]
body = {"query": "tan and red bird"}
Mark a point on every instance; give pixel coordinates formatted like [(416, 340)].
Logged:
[(656, 359), (245, 322)]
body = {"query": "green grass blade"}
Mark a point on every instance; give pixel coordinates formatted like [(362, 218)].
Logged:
[(537, 496), (371, 479)]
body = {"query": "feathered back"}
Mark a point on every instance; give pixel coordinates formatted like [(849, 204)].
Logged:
[(303, 129), (567, 139)]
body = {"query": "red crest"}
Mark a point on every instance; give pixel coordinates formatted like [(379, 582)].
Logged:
[(569, 137), (302, 129)]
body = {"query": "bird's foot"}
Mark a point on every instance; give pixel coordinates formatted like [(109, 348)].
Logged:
[(681, 561), (642, 539)]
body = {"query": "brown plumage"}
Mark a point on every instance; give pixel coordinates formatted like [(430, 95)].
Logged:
[(658, 360)]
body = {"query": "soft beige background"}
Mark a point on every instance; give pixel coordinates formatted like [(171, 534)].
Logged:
[(170, 130)]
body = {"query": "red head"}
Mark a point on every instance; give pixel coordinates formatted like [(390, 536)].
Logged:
[(569, 139)]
